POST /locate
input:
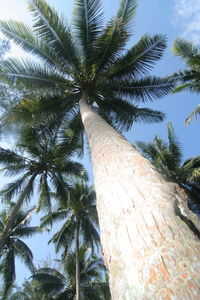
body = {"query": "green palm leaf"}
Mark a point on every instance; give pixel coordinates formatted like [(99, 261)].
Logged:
[(12, 189), (29, 73), (140, 59), (51, 27), (87, 23), (194, 115), (23, 251), (7, 268), (24, 36), (126, 13)]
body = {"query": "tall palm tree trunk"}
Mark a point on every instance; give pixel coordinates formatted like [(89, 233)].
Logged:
[(149, 251), (77, 264)]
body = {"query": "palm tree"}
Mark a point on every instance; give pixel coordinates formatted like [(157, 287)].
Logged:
[(62, 284), (45, 163), (167, 158), (191, 76), (93, 72), (80, 224), (14, 246)]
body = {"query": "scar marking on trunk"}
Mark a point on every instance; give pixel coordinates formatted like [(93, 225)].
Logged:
[(157, 226)]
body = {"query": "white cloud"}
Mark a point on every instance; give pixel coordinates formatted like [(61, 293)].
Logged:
[(186, 17)]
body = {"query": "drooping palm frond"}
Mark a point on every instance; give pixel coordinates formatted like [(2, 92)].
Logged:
[(23, 251), (29, 74), (188, 51), (193, 116), (25, 37), (12, 189), (7, 271)]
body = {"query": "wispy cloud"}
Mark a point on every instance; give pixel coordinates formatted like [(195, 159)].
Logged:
[(186, 17)]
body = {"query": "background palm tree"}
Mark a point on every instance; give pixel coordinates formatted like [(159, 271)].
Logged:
[(47, 161), (14, 246), (190, 77), (91, 69), (62, 285), (167, 158), (80, 224)]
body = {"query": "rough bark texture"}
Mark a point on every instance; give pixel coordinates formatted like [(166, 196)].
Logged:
[(149, 250)]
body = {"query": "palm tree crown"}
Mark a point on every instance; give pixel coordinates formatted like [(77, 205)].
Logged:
[(62, 284), (14, 246), (167, 157), (191, 76), (87, 57)]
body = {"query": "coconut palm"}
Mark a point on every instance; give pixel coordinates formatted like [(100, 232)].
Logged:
[(61, 284), (89, 66), (80, 224), (14, 245), (167, 158), (190, 78), (45, 163)]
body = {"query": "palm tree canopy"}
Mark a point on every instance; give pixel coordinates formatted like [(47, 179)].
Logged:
[(47, 158), (167, 158), (15, 247), (62, 284), (78, 210), (89, 57), (190, 78)]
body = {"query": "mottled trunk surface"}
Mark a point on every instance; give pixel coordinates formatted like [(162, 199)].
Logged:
[(148, 249)]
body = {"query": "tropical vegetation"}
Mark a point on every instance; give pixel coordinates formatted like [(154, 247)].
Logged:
[(84, 77), (80, 225), (189, 77), (15, 246), (167, 158)]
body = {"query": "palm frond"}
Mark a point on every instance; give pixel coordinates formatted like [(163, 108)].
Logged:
[(23, 251), (185, 49), (145, 89), (64, 238), (44, 202), (12, 189), (7, 271), (24, 36), (126, 13), (193, 115), (59, 215), (50, 26), (26, 231), (140, 59), (29, 74), (87, 23), (174, 145)]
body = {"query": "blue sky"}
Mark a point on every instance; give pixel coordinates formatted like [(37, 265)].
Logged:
[(174, 18)]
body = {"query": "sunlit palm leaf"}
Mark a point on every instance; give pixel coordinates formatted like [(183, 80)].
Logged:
[(52, 27), (87, 23), (140, 59)]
